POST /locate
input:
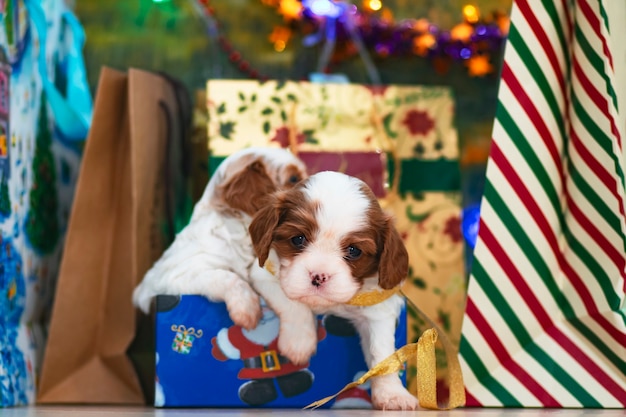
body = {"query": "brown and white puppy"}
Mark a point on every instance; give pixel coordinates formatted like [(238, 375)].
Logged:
[(213, 254), (327, 240)]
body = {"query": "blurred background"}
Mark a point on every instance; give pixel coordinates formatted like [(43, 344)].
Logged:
[(458, 43)]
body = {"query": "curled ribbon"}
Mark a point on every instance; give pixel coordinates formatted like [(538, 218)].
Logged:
[(424, 349)]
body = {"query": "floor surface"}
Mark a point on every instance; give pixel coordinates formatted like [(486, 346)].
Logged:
[(104, 411)]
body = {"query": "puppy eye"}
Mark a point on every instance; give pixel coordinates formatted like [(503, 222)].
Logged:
[(294, 179), (298, 241), (353, 253)]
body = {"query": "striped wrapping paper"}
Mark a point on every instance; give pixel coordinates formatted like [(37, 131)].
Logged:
[(545, 322)]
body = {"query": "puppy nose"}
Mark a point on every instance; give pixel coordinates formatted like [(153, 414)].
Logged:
[(318, 279)]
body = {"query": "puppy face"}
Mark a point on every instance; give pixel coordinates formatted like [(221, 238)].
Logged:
[(330, 235), (248, 177)]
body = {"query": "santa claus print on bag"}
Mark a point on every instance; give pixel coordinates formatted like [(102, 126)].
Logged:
[(262, 364)]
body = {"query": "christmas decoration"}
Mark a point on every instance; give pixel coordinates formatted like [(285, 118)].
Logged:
[(16, 25), (208, 14), (475, 41), (42, 224), (465, 42), (5, 198), (233, 367), (262, 365), (183, 340), (13, 379)]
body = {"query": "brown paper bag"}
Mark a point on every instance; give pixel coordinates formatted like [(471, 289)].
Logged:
[(114, 235)]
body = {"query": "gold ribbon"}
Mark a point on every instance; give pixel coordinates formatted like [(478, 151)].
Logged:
[(388, 366), (292, 129), (370, 298), (386, 144), (424, 349), (427, 369)]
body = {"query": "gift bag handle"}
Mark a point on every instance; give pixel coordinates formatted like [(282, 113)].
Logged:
[(72, 114), (173, 138)]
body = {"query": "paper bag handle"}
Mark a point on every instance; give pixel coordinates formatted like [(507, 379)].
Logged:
[(173, 138)]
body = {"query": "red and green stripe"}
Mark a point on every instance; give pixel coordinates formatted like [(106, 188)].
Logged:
[(544, 324)]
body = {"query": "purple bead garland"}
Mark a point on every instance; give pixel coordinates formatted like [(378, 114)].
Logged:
[(387, 39)]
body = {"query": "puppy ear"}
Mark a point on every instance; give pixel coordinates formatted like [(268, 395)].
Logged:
[(393, 266), (247, 190), (262, 228)]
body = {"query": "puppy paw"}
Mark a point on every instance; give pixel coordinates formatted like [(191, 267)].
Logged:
[(244, 306), (393, 397), (297, 339)]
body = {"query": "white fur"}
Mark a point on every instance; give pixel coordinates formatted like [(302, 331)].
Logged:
[(213, 254), (297, 338), (225, 346), (335, 219), (342, 209)]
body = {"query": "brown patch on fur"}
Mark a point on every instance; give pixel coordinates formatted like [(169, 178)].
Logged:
[(287, 215), (393, 267), (262, 228), (297, 218), (393, 258), (367, 264), (292, 175), (248, 189)]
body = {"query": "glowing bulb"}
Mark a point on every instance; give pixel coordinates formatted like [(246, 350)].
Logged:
[(279, 37), (462, 32), (279, 46), (479, 66), (290, 8), (375, 4), (470, 12), (423, 43), (323, 7), (422, 25)]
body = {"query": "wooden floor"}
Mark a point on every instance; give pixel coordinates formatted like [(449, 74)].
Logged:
[(104, 411)]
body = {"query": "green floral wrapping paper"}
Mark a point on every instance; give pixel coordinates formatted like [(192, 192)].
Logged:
[(330, 117), (413, 125)]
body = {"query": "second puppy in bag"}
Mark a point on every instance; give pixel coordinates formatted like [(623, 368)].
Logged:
[(325, 245), (213, 254)]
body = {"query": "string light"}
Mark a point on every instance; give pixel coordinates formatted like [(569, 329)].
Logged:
[(290, 9), (279, 37), (373, 5), (470, 13), (462, 32), (322, 7), (473, 42)]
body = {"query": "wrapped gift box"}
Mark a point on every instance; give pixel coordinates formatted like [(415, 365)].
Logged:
[(203, 360)]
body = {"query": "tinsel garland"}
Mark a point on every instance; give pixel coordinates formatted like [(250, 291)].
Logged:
[(474, 42)]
